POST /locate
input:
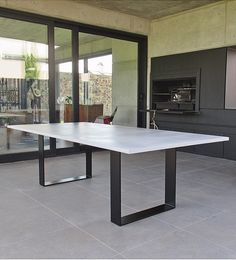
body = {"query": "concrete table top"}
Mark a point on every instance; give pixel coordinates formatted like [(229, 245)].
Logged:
[(129, 140)]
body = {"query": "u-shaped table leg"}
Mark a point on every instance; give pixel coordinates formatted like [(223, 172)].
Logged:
[(45, 183), (170, 190)]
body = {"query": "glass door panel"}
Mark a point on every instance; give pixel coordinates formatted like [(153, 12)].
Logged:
[(63, 79), (108, 79), (23, 82), (125, 81)]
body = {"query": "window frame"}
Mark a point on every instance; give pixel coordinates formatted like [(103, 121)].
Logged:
[(51, 23)]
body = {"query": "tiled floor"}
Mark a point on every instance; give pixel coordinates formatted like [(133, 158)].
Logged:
[(73, 220)]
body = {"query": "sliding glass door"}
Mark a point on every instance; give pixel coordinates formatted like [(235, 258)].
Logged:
[(58, 71), (23, 82), (63, 79), (109, 79)]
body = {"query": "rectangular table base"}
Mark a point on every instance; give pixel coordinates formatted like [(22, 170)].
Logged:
[(170, 190), (144, 214), (45, 183), (69, 179)]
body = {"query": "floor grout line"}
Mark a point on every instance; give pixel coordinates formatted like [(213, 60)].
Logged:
[(183, 229), (72, 224), (196, 222), (149, 240), (124, 204), (199, 236), (212, 242), (26, 239)]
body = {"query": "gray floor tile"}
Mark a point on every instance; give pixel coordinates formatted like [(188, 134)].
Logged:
[(143, 174), (192, 165), (227, 169), (21, 178), (179, 245), (139, 197), (72, 202), (134, 195), (128, 236), (189, 156), (208, 177), (183, 185), (119, 256), (99, 184), (67, 243), (220, 229), (144, 160), (77, 205), (26, 177), (209, 160), (18, 165), (35, 221), (186, 213), (13, 199), (6, 185), (215, 160), (19, 224), (230, 186), (221, 199)]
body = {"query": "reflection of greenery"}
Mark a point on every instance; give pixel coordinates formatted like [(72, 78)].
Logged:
[(68, 100), (31, 67)]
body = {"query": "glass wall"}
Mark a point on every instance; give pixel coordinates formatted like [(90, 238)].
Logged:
[(35, 51), (230, 93), (109, 79), (63, 74), (23, 82), (63, 78)]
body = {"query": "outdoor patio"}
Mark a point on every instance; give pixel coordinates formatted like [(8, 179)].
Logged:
[(73, 220)]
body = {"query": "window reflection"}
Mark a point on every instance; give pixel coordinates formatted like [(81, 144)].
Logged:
[(23, 82)]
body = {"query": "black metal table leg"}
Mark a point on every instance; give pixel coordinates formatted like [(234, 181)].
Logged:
[(45, 183), (115, 164), (41, 160), (170, 177), (115, 167), (8, 137), (89, 163)]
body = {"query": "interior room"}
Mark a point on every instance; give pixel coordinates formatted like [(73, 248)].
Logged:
[(138, 98)]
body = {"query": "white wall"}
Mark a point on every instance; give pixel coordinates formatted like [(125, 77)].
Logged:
[(12, 69), (16, 69)]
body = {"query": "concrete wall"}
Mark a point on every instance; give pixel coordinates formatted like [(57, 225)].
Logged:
[(210, 26), (70, 10), (124, 82), (97, 46)]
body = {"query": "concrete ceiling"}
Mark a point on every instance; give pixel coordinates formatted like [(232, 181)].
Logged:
[(149, 9), (33, 32)]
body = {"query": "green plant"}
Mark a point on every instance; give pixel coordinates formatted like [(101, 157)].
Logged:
[(68, 100), (31, 67)]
